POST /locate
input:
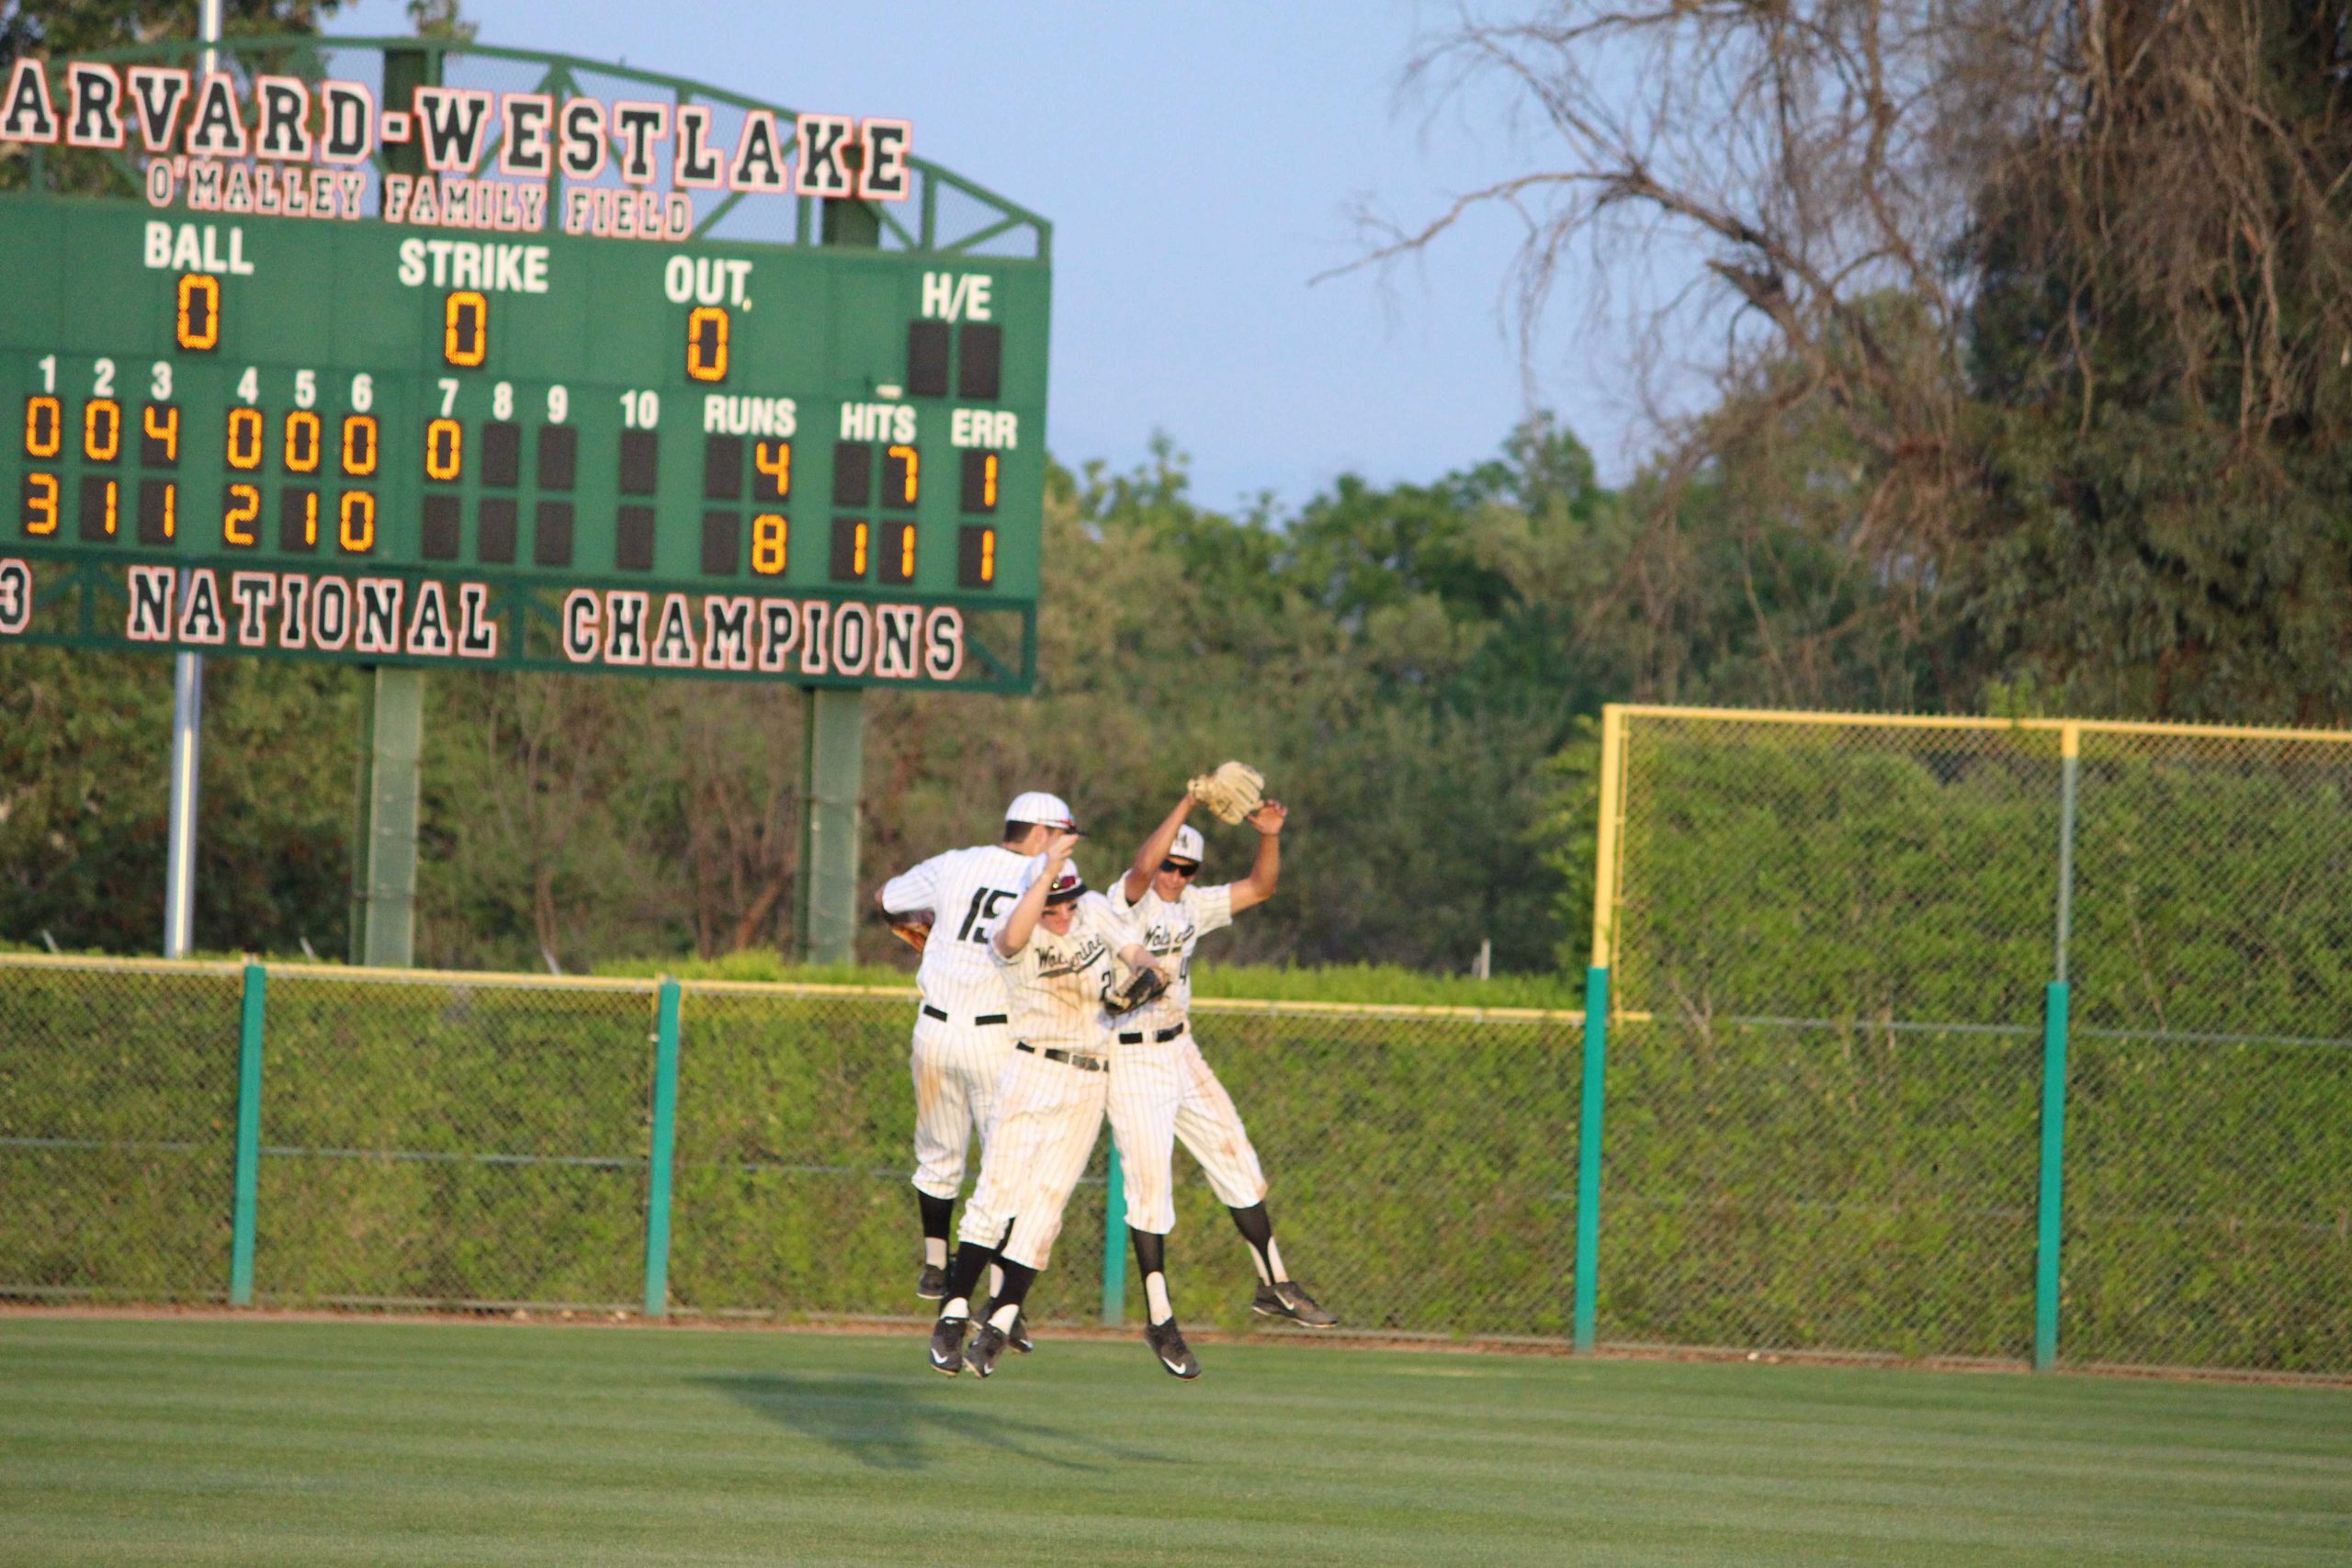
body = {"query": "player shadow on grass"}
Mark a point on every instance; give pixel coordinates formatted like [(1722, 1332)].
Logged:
[(884, 1424)]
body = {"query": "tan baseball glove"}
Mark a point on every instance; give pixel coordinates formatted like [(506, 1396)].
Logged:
[(1233, 791), (913, 930)]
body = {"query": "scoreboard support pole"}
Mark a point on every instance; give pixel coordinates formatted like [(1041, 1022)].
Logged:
[(187, 709), (391, 704), (831, 778), (384, 872), (833, 738)]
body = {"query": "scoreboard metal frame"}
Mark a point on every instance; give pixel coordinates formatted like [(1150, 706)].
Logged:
[(626, 419)]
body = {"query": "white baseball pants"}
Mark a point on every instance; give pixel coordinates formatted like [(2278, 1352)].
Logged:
[(1163, 1092), (956, 1070), (1048, 1114)]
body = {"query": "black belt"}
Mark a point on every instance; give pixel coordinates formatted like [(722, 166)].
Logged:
[(1163, 1037), (930, 1011), (1083, 1064)]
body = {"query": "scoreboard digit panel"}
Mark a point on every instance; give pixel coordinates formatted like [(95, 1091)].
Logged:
[(475, 388)]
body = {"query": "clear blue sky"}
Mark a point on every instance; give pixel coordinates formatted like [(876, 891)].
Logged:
[(1199, 162)]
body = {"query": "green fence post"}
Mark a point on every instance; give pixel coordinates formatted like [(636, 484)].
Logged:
[(1115, 1243), (2053, 1160), (248, 1171), (1596, 1078), (665, 1119), (2056, 1006), (246, 1189)]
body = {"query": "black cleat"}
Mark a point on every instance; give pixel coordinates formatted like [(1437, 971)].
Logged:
[(1018, 1335), (947, 1345), (930, 1285), (1166, 1342), (987, 1345), (1286, 1298)]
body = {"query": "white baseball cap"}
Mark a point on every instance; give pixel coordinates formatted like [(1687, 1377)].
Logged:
[(1189, 845), (1036, 805)]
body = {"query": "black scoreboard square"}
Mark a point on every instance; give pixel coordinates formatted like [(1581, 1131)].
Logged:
[(898, 552), (722, 468), (633, 540), (926, 359), (853, 474), (297, 519), (976, 559), (101, 502), (641, 455), (495, 526), (981, 473), (551, 534), (158, 512), (981, 367), (444, 520), (723, 544), (502, 454), (850, 550), (558, 456)]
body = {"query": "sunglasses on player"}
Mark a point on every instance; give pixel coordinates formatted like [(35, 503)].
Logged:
[(1180, 867)]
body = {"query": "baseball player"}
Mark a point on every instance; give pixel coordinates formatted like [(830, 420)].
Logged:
[(1164, 1089), (949, 907), (1055, 946)]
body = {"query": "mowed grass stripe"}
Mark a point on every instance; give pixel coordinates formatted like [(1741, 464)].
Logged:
[(259, 1441)]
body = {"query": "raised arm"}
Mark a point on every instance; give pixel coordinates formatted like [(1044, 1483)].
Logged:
[(1258, 885), (1013, 935), (1155, 849), (911, 891)]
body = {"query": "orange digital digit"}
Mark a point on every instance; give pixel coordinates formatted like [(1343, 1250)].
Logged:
[(197, 324), (245, 437), (772, 461), (902, 472), (44, 427), (41, 504), (237, 516), (359, 446), (857, 556), (102, 430), (161, 421), (465, 329), (357, 522), (444, 449), (706, 334), (771, 542), (303, 437)]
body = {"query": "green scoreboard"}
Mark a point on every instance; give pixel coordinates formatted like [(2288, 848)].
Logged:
[(297, 363)]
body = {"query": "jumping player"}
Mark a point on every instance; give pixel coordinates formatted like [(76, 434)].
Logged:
[(961, 1035), (1164, 1089), (1056, 947)]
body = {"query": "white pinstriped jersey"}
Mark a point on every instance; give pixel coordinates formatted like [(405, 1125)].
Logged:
[(968, 893), (1170, 930), (1056, 982)]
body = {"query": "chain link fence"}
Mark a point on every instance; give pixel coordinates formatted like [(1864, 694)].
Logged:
[(1831, 942), (1923, 1038), (490, 1143), (115, 1141)]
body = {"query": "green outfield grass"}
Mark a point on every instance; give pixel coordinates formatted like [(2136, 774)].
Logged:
[(256, 1442)]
